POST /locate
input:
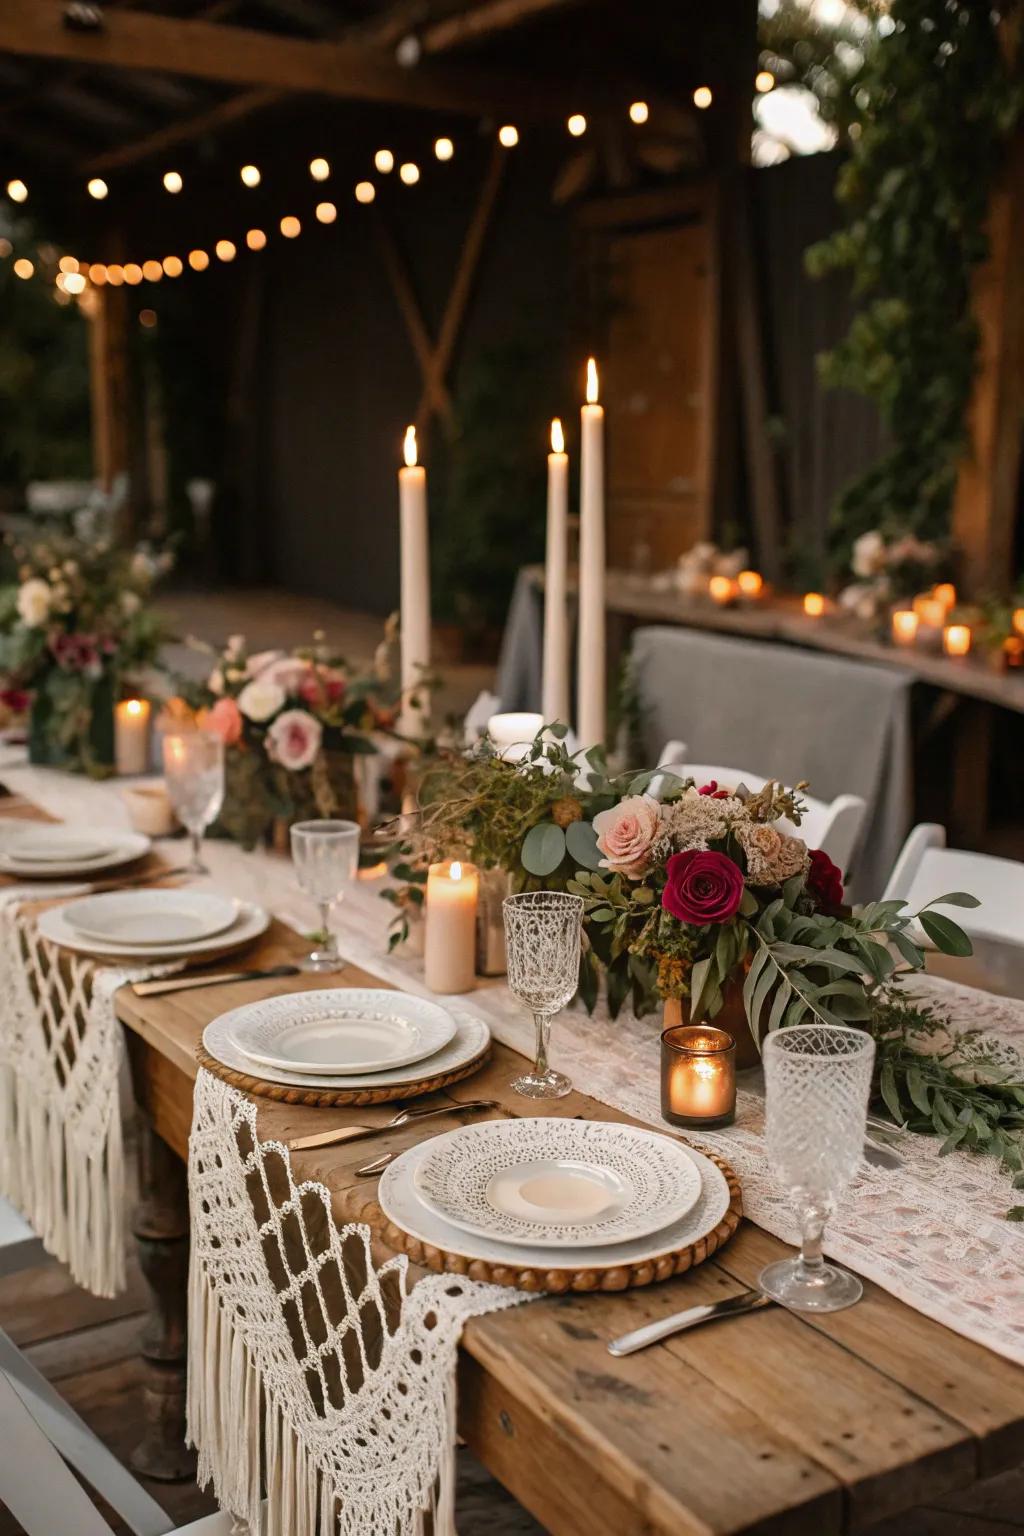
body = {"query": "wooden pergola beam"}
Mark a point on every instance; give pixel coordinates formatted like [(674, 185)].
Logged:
[(240, 56)]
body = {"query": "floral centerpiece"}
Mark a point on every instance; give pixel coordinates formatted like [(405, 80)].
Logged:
[(889, 570), (294, 724), (76, 632)]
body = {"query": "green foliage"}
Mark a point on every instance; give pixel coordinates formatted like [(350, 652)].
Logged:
[(935, 100)]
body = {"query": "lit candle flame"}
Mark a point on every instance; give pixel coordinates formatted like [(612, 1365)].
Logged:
[(557, 437), (591, 381), (410, 447), (456, 870), (134, 706)]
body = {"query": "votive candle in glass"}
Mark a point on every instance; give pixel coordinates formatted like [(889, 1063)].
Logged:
[(1018, 620), (945, 593), (1013, 652), (930, 610), (131, 736), (698, 1075), (449, 946), (956, 639), (722, 590), (750, 583), (904, 626), (814, 605)]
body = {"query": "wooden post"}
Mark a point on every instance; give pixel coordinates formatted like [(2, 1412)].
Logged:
[(109, 386)]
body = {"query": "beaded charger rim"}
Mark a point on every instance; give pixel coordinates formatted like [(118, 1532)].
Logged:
[(334, 1098), (531, 1278)]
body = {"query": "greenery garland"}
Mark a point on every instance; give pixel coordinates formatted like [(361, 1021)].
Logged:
[(935, 98)]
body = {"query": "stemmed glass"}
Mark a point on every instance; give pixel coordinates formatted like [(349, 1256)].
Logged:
[(194, 771), (543, 931), (817, 1082), (326, 856)]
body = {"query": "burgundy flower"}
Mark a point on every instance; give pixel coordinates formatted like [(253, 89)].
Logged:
[(703, 887), (17, 700), (713, 792), (825, 881)]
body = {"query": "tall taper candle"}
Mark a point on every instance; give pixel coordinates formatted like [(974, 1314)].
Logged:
[(415, 589), (590, 683), (555, 693)]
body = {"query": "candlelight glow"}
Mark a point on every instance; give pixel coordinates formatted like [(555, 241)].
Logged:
[(639, 112), (930, 611), (592, 395), (750, 583), (904, 626), (74, 282), (319, 169), (814, 605), (67, 264), (702, 97), (721, 589), (17, 191), (409, 447), (255, 239), (173, 181), (557, 437), (956, 639), (97, 188), (326, 213), (444, 149), (945, 593), (115, 274), (410, 173), (290, 226), (764, 81), (225, 250), (384, 160), (173, 266), (250, 175), (98, 274), (365, 191), (577, 125), (23, 267), (1018, 620), (508, 136), (132, 272), (152, 271), (456, 870), (133, 706), (197, 260)]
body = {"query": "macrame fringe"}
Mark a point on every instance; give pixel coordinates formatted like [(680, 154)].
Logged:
[(74, 1203), (245, 1439)]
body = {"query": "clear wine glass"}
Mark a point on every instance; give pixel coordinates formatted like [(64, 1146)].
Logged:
[(326, 856), (543, 933), (194, 772), (817, 1082)]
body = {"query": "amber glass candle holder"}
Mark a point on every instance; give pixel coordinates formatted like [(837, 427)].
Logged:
[(698, 1076)]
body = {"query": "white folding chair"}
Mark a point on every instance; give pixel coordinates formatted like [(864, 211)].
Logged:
[(832, 825)]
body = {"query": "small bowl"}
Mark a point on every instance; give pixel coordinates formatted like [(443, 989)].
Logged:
[(150, 810)]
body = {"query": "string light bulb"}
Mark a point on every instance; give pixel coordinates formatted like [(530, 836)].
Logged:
[(326, 213), (147, 318), (226, 250), (97, 188), (198, 261), (577, 125), (74, 283), (17, 191), (444, 148), (152, 271), (250, 175), (764, 81), (23, 267), (97, 274), (365, 191), (115, 274), (68, 264), (172, 181), (702, 97), (290, 226), (639, 112), (384, 160), (409, 172), (173, 266), (319, 168), (255, 239), (132, 273), (508, 136)]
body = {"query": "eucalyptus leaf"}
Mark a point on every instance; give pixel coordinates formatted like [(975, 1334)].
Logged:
[(581, 843)]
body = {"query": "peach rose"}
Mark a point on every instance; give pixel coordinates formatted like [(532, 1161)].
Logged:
[(224, 719), (627, 833), (772, 856)]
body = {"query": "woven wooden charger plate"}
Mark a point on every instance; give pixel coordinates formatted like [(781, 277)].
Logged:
[(616, 1277), (333, 1098)]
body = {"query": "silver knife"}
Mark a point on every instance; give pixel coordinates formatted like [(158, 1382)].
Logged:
[(346, 1133), (189, 983), (732, 1306)]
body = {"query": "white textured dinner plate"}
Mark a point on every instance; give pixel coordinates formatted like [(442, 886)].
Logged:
[(58, 844), (401, 1202), (578, 1183), (120, 848), (151, 918), (470, 1038), (249, 923), (341, 1031)]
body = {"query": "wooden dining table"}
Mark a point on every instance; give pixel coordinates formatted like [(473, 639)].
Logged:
[(773, 1422)]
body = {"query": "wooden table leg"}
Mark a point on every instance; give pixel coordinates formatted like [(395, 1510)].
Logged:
[(972, 767), (161, 1231)]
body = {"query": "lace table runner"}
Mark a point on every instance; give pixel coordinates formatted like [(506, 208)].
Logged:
[(933, 1233)]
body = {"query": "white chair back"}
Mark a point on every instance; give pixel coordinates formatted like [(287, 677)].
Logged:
[(834, 826)]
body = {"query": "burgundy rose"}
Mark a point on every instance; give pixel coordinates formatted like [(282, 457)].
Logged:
[(825, 881), (703, 887), (713, 792)]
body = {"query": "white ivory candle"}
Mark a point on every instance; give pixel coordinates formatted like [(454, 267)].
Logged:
[(449, 950), (513, 734), (555, 693), (131, 736), (415, 590), (590, 675)]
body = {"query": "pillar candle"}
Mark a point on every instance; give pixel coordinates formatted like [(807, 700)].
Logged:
[(956, 639), (450, 940), (904, 626), (555, 693), (415, 589), (590, 688), (131, 736)]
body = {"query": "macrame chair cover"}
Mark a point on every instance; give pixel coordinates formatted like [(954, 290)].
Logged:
[(311, 1372)]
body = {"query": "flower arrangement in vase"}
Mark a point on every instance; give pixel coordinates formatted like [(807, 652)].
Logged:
[(76, 631), (295, 725)]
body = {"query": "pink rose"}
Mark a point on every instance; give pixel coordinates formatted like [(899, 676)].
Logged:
[(294, 739), (225, 721), (703, 887), (627, 833), (321, 687)]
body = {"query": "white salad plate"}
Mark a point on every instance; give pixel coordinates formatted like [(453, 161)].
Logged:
[(151, 918), (45, 852), (249, 923), (470, 1038), (341, 1030), (401, 1201), (577, 1183)]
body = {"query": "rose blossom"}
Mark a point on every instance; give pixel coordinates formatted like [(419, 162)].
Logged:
[(34, 603), (260, 699), (825, 881), (321, 687), (627, 833), (294, 739), (772, 856), (225, 721), (703, 887)]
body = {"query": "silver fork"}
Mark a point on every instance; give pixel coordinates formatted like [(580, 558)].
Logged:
[(346, 1133)]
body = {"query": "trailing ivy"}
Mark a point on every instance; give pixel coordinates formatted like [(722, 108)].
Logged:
[(935, 98)]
